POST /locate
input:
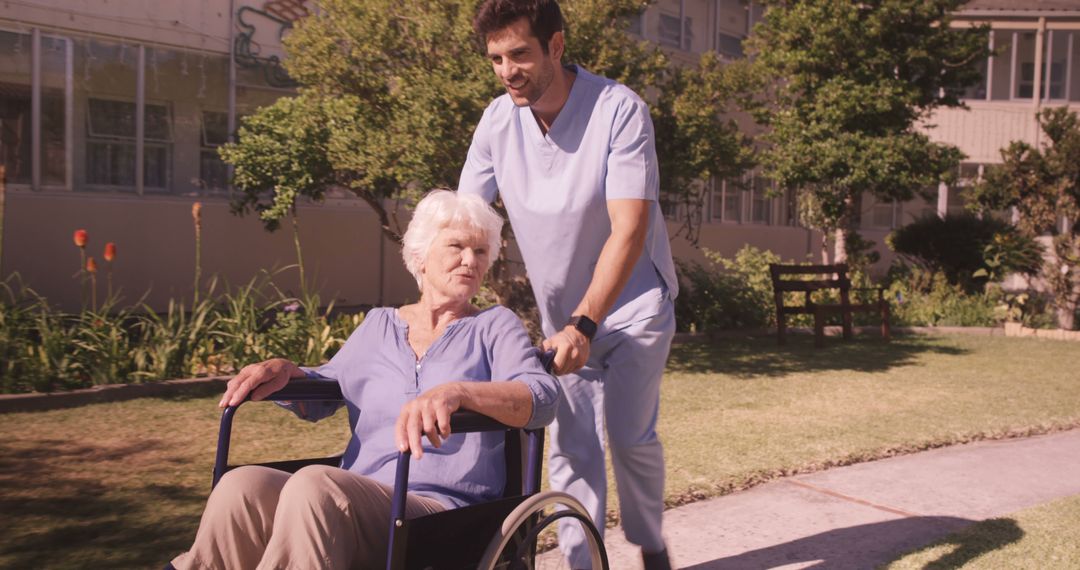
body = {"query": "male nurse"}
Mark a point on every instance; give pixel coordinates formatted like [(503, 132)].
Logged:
[(573, 157)]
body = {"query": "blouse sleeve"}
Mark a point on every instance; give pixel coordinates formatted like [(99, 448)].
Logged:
[(513, 357), (315, 410)]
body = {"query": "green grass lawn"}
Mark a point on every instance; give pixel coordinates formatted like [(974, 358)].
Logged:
[(1040, 537), (122, 485)]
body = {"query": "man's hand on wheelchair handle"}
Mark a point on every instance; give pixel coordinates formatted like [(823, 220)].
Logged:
[(571, 350), (428, 414), (260, 380)]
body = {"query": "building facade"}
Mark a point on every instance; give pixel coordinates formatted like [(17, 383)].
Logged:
[(111, 115), (110, 118)]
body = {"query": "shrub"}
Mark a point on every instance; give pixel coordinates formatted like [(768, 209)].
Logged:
[(959, 246), (941, 303), (726, 293), (44, 349)]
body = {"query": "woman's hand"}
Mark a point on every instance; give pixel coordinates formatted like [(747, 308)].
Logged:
[(428, 414), (260, 380)]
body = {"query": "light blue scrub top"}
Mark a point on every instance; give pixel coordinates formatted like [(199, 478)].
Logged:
[(556, 186)]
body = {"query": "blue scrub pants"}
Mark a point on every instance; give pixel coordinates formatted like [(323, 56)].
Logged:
[(619, 386)]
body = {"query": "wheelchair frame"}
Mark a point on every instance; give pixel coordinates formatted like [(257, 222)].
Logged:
[(466, 530)]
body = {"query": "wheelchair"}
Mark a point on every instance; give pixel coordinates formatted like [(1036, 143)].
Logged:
[(501, 534)]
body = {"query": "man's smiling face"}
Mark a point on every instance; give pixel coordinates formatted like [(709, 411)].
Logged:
[(521, 64)]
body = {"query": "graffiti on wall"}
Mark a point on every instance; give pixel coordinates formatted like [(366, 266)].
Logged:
[(279, 13)]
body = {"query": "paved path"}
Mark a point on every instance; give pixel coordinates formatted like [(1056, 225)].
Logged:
[(863, 515)]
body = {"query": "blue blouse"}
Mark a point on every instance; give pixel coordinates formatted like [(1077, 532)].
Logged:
[(379, 372)]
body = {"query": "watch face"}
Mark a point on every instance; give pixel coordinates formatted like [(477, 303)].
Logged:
[(584, 325)]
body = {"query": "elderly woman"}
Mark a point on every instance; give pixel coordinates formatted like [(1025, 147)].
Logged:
[(402, 372)]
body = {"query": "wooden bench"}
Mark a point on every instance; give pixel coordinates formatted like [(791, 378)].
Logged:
[(823, 278)]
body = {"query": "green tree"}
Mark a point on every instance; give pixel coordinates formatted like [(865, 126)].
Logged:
[(1042, 185), (847, 85), (391, 90)]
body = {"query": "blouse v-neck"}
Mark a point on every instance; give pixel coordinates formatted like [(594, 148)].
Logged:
[(403, 327)]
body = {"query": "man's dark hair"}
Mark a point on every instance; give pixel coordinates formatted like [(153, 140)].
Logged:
[(544, 18)]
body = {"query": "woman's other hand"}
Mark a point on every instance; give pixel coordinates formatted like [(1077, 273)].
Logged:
[(260, 380), (428, 414)]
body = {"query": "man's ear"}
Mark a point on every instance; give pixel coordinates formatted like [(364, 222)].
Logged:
[(556, 46)]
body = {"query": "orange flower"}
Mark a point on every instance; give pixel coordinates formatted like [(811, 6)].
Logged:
[(91, 265), (196, 213), (110, 252), (80, 238)]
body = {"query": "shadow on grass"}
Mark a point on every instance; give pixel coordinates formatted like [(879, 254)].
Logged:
[(56, 516), (870, 545), (749, 357)]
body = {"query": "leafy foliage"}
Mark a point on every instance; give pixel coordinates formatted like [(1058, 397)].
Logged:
[(846, 86), (726, 293), (919, 298), (1043, 186), (967, 250), (392, 90), (44, 349)]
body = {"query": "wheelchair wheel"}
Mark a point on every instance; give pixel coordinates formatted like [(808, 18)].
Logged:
[(514, 545)]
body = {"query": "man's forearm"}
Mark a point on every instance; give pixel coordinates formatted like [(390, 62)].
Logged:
[(629, 227)]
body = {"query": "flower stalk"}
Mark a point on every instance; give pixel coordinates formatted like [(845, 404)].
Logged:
[(81, 238), (91, 268), (196, 217), (109, 255)]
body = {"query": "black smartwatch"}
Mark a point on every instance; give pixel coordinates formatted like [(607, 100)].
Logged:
[(584, 325)]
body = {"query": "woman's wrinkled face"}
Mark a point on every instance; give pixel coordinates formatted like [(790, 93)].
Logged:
[(456, 263)]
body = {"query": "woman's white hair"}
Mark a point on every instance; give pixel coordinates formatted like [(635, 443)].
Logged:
[(441, 209)]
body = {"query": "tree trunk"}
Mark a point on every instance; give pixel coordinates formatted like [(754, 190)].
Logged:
[(843, 228), (839, 245), (1066, 318)]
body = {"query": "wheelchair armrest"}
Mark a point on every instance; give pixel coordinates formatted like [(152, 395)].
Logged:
[(307, 390), (465, 421)]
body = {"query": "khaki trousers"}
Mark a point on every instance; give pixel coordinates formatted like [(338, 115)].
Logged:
[(321, 517)]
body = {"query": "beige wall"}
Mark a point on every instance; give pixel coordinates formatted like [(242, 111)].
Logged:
[(155, 242), (985, 129), (791, 243)]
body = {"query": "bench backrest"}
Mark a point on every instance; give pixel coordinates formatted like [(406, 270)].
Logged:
[(832, 277)]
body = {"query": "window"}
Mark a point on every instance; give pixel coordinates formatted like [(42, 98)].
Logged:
[(670, 31), (110, 144), (1058, 63), (1000, 65), (15, 135), (54, 144), (87, 114), (726, 202), (213, 172), (883, 214), (977, 91), (1024, 66), (729, 45), (760, 203), (791, 207)]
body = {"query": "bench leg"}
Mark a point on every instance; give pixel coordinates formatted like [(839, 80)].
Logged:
[(819, 328), (781, 322), (885, 332)]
